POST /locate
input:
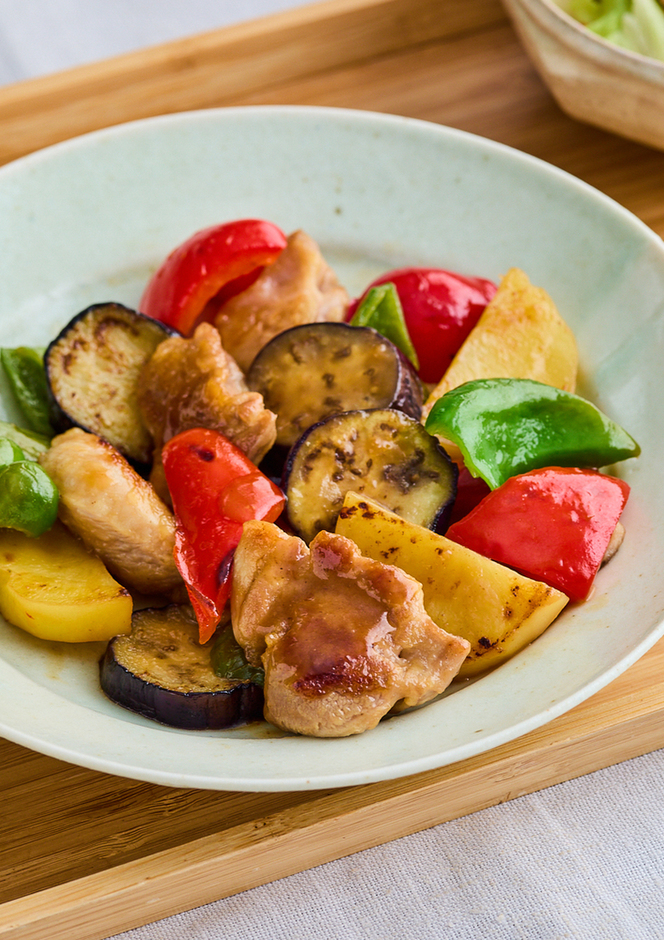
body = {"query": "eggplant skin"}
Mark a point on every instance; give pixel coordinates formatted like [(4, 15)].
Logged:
[(92, 369), (382, 454), (161, 651), (316, 370)]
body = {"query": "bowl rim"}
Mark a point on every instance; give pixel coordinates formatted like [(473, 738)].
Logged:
[(45, 740), (586, 42)]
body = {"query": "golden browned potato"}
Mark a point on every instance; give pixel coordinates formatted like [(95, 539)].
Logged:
[(54, 588), (520, 335), (300, 287), (497, 610)]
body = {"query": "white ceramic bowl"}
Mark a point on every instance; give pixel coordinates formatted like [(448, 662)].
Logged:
[(591, 79), (86, 221)]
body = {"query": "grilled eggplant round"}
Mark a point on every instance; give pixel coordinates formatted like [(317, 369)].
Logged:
[(310, 372), (162, 672), (383, 454), (92, 368)]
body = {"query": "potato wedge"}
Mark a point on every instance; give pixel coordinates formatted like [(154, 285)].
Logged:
[(520, 335), (497, 610), (54, 588)]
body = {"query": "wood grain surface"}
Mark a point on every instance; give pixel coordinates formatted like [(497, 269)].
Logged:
[(84, 855), (215, 68)]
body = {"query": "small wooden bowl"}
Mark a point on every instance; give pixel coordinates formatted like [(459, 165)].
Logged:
[(591, 79)]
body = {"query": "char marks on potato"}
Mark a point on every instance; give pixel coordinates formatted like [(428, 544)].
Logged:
[(496, 609), (520, 334)]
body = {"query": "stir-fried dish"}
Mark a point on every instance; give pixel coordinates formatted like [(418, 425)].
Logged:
[(272, 500)]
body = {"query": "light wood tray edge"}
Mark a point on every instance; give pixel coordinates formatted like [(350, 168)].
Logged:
[(622, 721), (220, 67)]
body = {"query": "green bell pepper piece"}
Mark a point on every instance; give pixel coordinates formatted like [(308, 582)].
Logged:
[(24, 368), (10, 452), (504, 427), (30, 443), (381, 309), (28, 498), (229, 662)]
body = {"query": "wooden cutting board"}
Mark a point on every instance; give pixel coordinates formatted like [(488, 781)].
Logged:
[(84, 855)]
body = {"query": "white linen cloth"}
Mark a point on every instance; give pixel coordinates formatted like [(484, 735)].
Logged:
[(42, 36), (582, 860)]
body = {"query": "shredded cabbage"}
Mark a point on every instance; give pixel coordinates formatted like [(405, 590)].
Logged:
[(637, 25)]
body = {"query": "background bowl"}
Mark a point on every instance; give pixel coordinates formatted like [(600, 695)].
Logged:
[(591, 79), (88, 220)]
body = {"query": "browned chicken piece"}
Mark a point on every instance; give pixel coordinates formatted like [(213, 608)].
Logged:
[(299, 287), (190, 383), (115, 512), (343, 639)]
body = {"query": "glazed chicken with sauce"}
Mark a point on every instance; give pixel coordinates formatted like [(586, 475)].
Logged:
[(299, 287), (114, 511), (343, 639), (189, 383)]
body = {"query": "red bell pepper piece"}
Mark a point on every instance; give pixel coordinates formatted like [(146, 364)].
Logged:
[(470, 492), (217, 262), (215, 489), (553, 525), (440, 309)]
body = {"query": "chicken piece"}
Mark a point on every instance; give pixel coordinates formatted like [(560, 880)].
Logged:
[(299, 287), (115, 512), (190, 383), (269, 568), (615, 542), (342, 638)]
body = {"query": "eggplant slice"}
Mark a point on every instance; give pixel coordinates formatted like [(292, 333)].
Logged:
[(92, 370), (382, 454), (310, 372), (161, 671)]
